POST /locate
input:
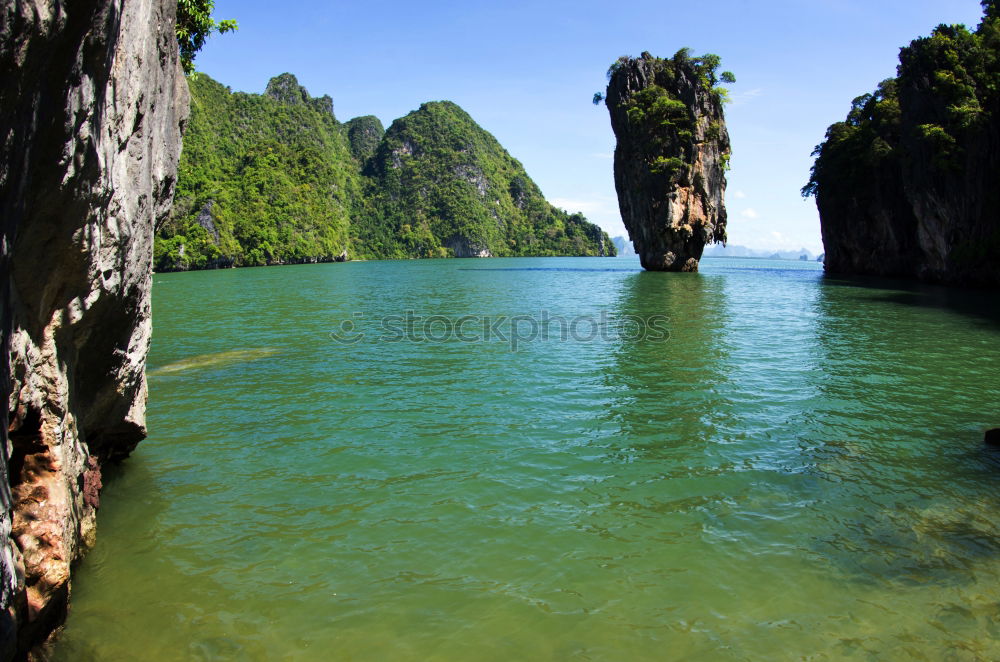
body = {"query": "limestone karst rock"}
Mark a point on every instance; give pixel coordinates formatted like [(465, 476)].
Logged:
[(91, 113), (671, 158), (441, 185), (906, 186), (288, 183)]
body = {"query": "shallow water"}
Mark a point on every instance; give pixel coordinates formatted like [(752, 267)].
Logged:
[(795, 472)]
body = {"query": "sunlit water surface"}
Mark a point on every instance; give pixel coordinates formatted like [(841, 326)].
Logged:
[(797, 472)]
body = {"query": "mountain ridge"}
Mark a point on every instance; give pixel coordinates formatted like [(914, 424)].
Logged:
[(275, 178)]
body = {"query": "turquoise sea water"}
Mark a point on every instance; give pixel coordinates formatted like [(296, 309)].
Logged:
[(795, 471)]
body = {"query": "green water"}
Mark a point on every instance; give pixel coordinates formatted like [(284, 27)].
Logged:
[(795, 473)]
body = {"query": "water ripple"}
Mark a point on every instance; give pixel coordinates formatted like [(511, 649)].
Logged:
[(795, 473)]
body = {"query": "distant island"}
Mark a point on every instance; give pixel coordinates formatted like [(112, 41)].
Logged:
[(734, 250), (624, 248), (275, 178)]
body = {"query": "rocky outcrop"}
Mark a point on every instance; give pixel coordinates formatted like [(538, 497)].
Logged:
[(207, 223), (285, 88), (289, 183), (91, 113), (277, 171), (671, 157), (462, 247), (906, 185)]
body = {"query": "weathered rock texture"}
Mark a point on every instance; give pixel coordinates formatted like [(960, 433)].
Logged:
[(671, 158), (91, 114), (907, 185)]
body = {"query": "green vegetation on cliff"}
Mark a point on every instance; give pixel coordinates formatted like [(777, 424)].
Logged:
[(275, 178), (365, 134), (906, 185), (950, 83), (442, 186), (671, 155), (262, 180), (665, 119)]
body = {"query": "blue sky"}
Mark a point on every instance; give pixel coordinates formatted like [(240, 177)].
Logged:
[(526, 71)]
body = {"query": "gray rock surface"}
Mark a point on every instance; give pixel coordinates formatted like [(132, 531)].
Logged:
[(91, 112), (464, 247), (670, 162), (906, 186)]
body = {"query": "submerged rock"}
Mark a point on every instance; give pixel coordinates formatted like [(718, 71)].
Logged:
[(672, 154), (91, 114)]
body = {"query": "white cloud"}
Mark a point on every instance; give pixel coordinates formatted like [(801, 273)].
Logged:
[(607, 156), (746, 97), (599, 209), (739, 195), (750, 213)]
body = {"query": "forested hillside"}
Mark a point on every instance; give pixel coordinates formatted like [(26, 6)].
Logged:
[(263, 179), (441, 186), (275, 178)]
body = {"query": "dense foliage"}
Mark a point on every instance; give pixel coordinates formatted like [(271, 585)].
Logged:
[(365, 134), (705, 68), (944, 98), (440, 184), (260, 181), (275, 178)]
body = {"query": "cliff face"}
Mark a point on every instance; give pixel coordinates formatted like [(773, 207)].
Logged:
[(91, 113), (906, 186), (671, 157)]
